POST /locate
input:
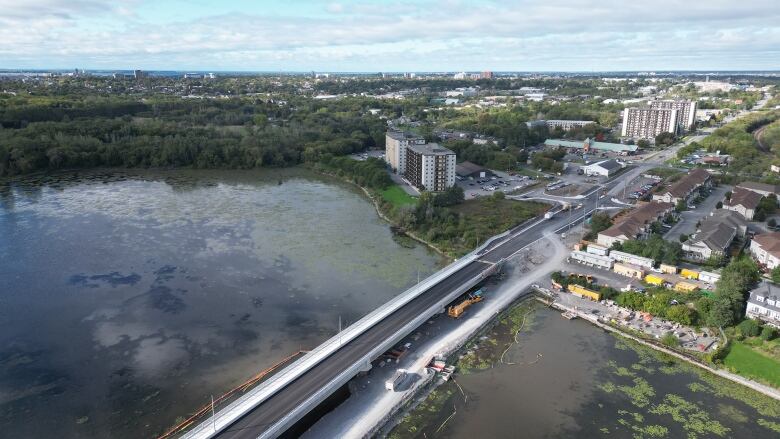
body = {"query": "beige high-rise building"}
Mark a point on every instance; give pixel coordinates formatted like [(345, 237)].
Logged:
[(686, 112), (646, 123), (396, 143)]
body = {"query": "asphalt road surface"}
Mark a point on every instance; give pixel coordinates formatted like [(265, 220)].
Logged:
[(278, 405)]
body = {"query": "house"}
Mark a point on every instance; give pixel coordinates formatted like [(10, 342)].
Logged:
[(765, 249), (687, 188), (715, 235), (635, 224), (604, 168), (761, 188), (764, 304), (743, 201)]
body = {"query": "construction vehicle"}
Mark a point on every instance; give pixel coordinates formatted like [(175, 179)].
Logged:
[(458, 310)]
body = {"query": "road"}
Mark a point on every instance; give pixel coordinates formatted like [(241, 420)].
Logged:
[(688, 219), (278, 405)]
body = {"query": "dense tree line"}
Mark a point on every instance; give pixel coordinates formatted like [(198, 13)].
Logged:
[(205, 134)]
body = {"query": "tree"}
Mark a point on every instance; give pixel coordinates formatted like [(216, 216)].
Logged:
[(680, 206), (681, 314), (664, 139), (683, 237), (719, 205), (728, 195), (643, 144), (776, 275), (671, 340), (599, 221)]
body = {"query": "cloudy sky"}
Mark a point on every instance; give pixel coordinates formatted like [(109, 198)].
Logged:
[(425, 35)]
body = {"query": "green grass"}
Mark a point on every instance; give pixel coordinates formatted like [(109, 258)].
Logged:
[(397, 196), (747, 362), (664, 172)]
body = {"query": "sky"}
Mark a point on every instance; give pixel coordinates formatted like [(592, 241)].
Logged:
[(391, 36)]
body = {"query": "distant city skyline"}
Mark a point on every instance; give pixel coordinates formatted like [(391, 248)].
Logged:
[(361, 36)]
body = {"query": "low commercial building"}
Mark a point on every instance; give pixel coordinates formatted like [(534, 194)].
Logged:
[(761, 188), (580, 291), (588, 146), (631, 259), (591, 259), (685, 287), (687, 188), (764, 304), (715, 235), (629, 270), (430, 167), (765, 249), (635, 224), (603, 168), (472, 171), (743, 201), (668, 269)]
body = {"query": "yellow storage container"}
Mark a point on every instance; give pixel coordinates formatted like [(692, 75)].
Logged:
[(654, 280), (685, 287), (668, 269), (689, 274), (584, 292)]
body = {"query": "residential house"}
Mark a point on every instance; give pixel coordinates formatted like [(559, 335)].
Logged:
[(764, 304), (635, 224), (715, 235), (765, 249), (761, 188), (743, 201), (687, 188)]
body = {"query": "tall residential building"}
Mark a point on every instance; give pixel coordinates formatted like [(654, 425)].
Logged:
[(430, 167), (487, 74), (396, 143), (646, 123), (139, 74), (686, 111)]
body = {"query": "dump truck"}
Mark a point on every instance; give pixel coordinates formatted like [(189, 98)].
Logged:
[(689, 274), (654, 280), (458, 310)]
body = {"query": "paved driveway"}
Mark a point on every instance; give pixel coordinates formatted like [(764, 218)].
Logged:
[(688, 219)]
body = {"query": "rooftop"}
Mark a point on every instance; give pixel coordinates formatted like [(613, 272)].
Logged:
[(430, 149), (635, 221), (744, 197), (403, 135), (769, 242), (688, 183), (766, 290), (610, 165), (754, 185), (719, 229), (468, 168)]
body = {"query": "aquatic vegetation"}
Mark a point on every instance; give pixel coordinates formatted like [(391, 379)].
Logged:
[(607, 387), (693, 419), (774, 426), (697, 387), (640, 393), (732, 413)]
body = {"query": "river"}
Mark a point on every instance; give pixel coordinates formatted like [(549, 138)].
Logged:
[(128, 298), (570, 379)]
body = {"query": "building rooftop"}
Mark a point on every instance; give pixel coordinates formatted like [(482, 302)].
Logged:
[(633, 223), (769, 242), (610, 165), (601, 146), (430, 149), (689, 182), (754, 185), (468, 168), (765, 292), (744, 197), (719, 229)]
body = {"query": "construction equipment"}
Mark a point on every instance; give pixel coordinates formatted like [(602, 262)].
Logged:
[(458, 310)]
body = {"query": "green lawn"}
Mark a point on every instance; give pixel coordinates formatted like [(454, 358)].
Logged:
[(397, 196), (747, 362), (664, 172)]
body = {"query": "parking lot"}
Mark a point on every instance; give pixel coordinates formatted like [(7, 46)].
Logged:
[(638, 188), (686, 224), (499, 182)]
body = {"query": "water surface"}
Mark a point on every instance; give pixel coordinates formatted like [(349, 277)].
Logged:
[(127, 298)]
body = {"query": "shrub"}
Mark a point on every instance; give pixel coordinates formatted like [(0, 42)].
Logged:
[(749, 328), (768, 333), (671, 340)]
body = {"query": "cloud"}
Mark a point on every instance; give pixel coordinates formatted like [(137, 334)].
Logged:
[(431, 35)]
